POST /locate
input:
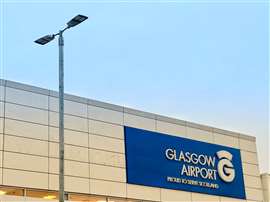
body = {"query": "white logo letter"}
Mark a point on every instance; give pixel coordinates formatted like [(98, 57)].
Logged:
[(225, 167)]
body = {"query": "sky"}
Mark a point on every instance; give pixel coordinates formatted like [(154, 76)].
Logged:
[(200, 61)]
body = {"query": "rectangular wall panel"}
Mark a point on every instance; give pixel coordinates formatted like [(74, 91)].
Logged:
[(105, 115), (106, 143), (71, 122), (25, 162), (107, 173), (73, 137), (139, 122), (23, 113), (107, 158), (25, 145), (70, 107), (25, 179), (25, 129), (26, 98), (72, 168), (106, 129), (200, 135), (108, 188), (170, 128)]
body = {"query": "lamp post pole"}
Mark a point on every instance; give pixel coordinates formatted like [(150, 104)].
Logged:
[(42, 41), (61, 117)]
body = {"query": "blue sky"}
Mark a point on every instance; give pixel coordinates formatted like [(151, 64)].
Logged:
[(202, 61)]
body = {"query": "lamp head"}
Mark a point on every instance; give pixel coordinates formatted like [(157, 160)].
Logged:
[(76, 20), (45, 39)]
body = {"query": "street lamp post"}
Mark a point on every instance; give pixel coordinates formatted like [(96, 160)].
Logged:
[(42, 41), (61, 117)]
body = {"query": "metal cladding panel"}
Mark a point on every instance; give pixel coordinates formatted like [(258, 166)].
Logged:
[(160, 160)]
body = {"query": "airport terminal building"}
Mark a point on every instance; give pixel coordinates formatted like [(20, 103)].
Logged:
[(118, 154)]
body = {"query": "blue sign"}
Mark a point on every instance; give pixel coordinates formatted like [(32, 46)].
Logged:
[(160, 160)]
